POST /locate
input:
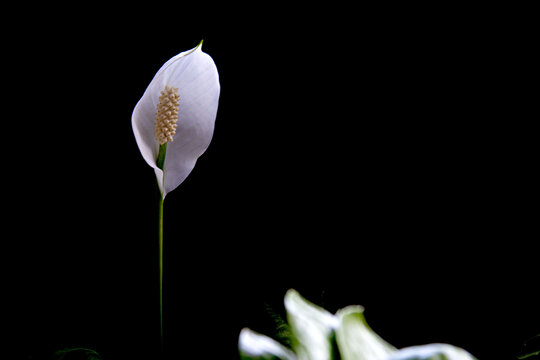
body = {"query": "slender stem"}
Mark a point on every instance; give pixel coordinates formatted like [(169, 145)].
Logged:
[(160, 163), (161, 267)]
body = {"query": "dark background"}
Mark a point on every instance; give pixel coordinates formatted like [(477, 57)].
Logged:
[(382, 157)]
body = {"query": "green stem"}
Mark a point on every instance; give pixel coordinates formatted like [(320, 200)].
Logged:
[(160, 161), (161, 267)]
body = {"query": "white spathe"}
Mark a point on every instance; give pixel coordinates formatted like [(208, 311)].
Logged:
[(356, 340), (312, 327), (195, 75), (432, 352), (253, 345)]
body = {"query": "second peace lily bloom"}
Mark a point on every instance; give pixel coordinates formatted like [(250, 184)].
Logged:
[(177, 112), (318, 334)]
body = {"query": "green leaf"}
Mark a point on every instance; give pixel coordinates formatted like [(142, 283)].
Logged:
[(76, 353), (254, 346), (531, 349), (526, 356), (432, 352), (356, 340), (312, 328)]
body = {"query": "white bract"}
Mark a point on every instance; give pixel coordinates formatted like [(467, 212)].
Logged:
[(319, 335), (256, 346), (312, 326), (432, 352), (356, 340), (192, 78)]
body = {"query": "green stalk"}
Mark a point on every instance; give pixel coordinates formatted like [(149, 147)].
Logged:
[(161, 267), (160, 162)]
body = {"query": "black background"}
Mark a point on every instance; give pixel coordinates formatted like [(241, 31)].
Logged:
[(382, 157)]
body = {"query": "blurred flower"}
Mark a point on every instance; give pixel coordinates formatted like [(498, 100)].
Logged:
[(319, 335)]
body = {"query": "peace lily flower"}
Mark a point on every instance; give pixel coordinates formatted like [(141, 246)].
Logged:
[(176, 115), (319, 335), (173, 124)]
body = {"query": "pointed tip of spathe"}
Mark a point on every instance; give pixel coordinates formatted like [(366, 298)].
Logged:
[(291, 293), (194, 50)]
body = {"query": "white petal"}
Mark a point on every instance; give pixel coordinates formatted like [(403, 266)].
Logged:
[(356, 340), (256, 346), (195, 75), (432, 352), (311, 326), (142, 121)]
